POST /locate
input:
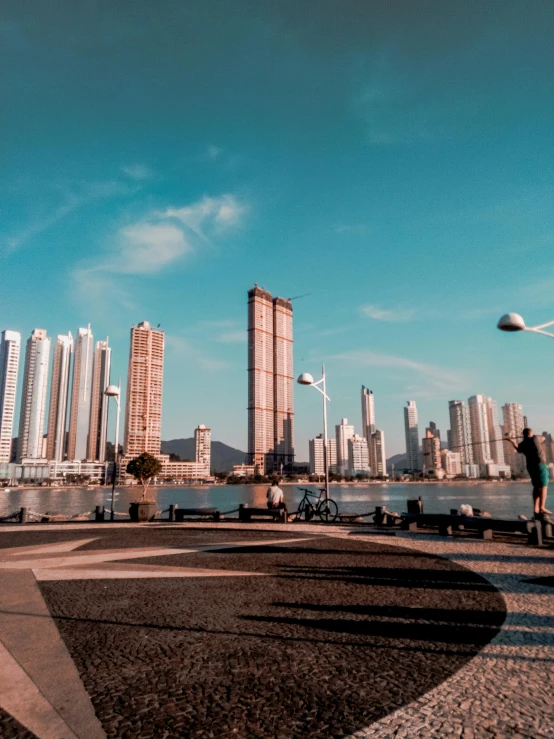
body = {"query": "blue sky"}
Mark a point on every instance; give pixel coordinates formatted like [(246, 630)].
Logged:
[(395, 160)]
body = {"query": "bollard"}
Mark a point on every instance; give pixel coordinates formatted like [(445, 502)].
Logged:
[(172, 516), (381, 518), (99, 513), (23, 515)]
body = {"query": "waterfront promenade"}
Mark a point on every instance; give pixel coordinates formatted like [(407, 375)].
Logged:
[(229, 630)]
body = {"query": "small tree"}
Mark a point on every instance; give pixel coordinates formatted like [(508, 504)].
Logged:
[(143, 469)]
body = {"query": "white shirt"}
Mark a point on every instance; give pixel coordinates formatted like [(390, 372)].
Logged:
[(274, 496)]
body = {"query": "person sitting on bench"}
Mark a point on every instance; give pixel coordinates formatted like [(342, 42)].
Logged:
[(275, 496)]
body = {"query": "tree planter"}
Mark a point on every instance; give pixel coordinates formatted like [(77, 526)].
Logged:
[(142, 510)]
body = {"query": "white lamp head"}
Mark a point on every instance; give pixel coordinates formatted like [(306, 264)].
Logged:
[(112, 391), (305, 379), (511, 322)]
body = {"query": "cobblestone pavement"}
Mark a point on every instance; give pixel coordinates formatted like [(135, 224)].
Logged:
[(347, 634)]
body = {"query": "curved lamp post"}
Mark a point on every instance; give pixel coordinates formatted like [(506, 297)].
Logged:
[(306, 379), (113, 391), (512, 322)]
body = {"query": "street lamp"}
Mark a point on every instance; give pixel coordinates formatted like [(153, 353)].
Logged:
[(306, 379), (114, 391), (511, 322)]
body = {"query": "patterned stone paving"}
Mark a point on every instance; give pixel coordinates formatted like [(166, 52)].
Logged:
[(343, 635)]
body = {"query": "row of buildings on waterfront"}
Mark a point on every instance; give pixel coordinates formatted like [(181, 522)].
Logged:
[(76, 419), (475, 445)]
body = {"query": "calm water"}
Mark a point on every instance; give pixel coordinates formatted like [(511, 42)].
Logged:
[(502, 500)]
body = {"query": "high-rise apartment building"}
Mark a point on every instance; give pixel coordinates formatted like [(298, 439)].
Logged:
[(368, 413), (98, 427), (478, 418), (59, 392), (10, 347), (434, 430), (358, 455), (513, 425), (495, 433), (203, 444), (343, 432), (431, 449), (459, 437), (412, 435), (378, 457), (143, 408), (79, 416), (33, 399), (270, 381), (451, 463), (317, 463)]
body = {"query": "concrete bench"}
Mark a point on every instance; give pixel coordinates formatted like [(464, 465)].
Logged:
[(276, 514), (485, 526), (179, 514)]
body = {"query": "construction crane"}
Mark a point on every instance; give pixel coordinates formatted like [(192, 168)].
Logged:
[(297, 297)]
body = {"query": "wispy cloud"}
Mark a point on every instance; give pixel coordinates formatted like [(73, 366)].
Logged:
[(213, 152), (75, 196), (356, 229), (136, 171), (160, 239), (438, 378), (184, 348), (232, 337), (394, 315)]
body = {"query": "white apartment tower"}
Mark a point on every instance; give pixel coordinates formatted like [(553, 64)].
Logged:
[(358, 455), (270, 381), (512, 416), (203, 444), (9, 366), (317, 463), (143, 408), (378, 456), (33, 399), (478, 418), (98, 427), (343, 432), (368, 413), (412, 435), (460, 439), (495, 433), (59, 391), (79, 416)]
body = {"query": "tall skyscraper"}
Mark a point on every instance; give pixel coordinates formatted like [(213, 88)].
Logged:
[(143, 408), (378, 455), (203, 444), (412, 435), (368, 413), (343, 432), (9, 366), (460, 440), (270, 381), (79, 416), (33, 399), (495, 432), (97, 434), (478, 418), (512, 416), (59, 392), (434, 430), (317, 464)]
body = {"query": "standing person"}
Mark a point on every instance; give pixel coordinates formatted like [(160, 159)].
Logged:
[(275, 495), (532, 447)]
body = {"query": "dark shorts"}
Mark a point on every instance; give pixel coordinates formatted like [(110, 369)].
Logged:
[(540, 476)]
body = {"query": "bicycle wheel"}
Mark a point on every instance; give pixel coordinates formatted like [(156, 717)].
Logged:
[(304, 512), (327, 510)]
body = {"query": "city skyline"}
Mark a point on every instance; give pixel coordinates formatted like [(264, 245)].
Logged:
[(403, 187)]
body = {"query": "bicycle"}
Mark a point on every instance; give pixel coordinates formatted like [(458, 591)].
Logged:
[(325, 509)]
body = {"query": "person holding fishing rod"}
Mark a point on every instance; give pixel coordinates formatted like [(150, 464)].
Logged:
[(532, 447)]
